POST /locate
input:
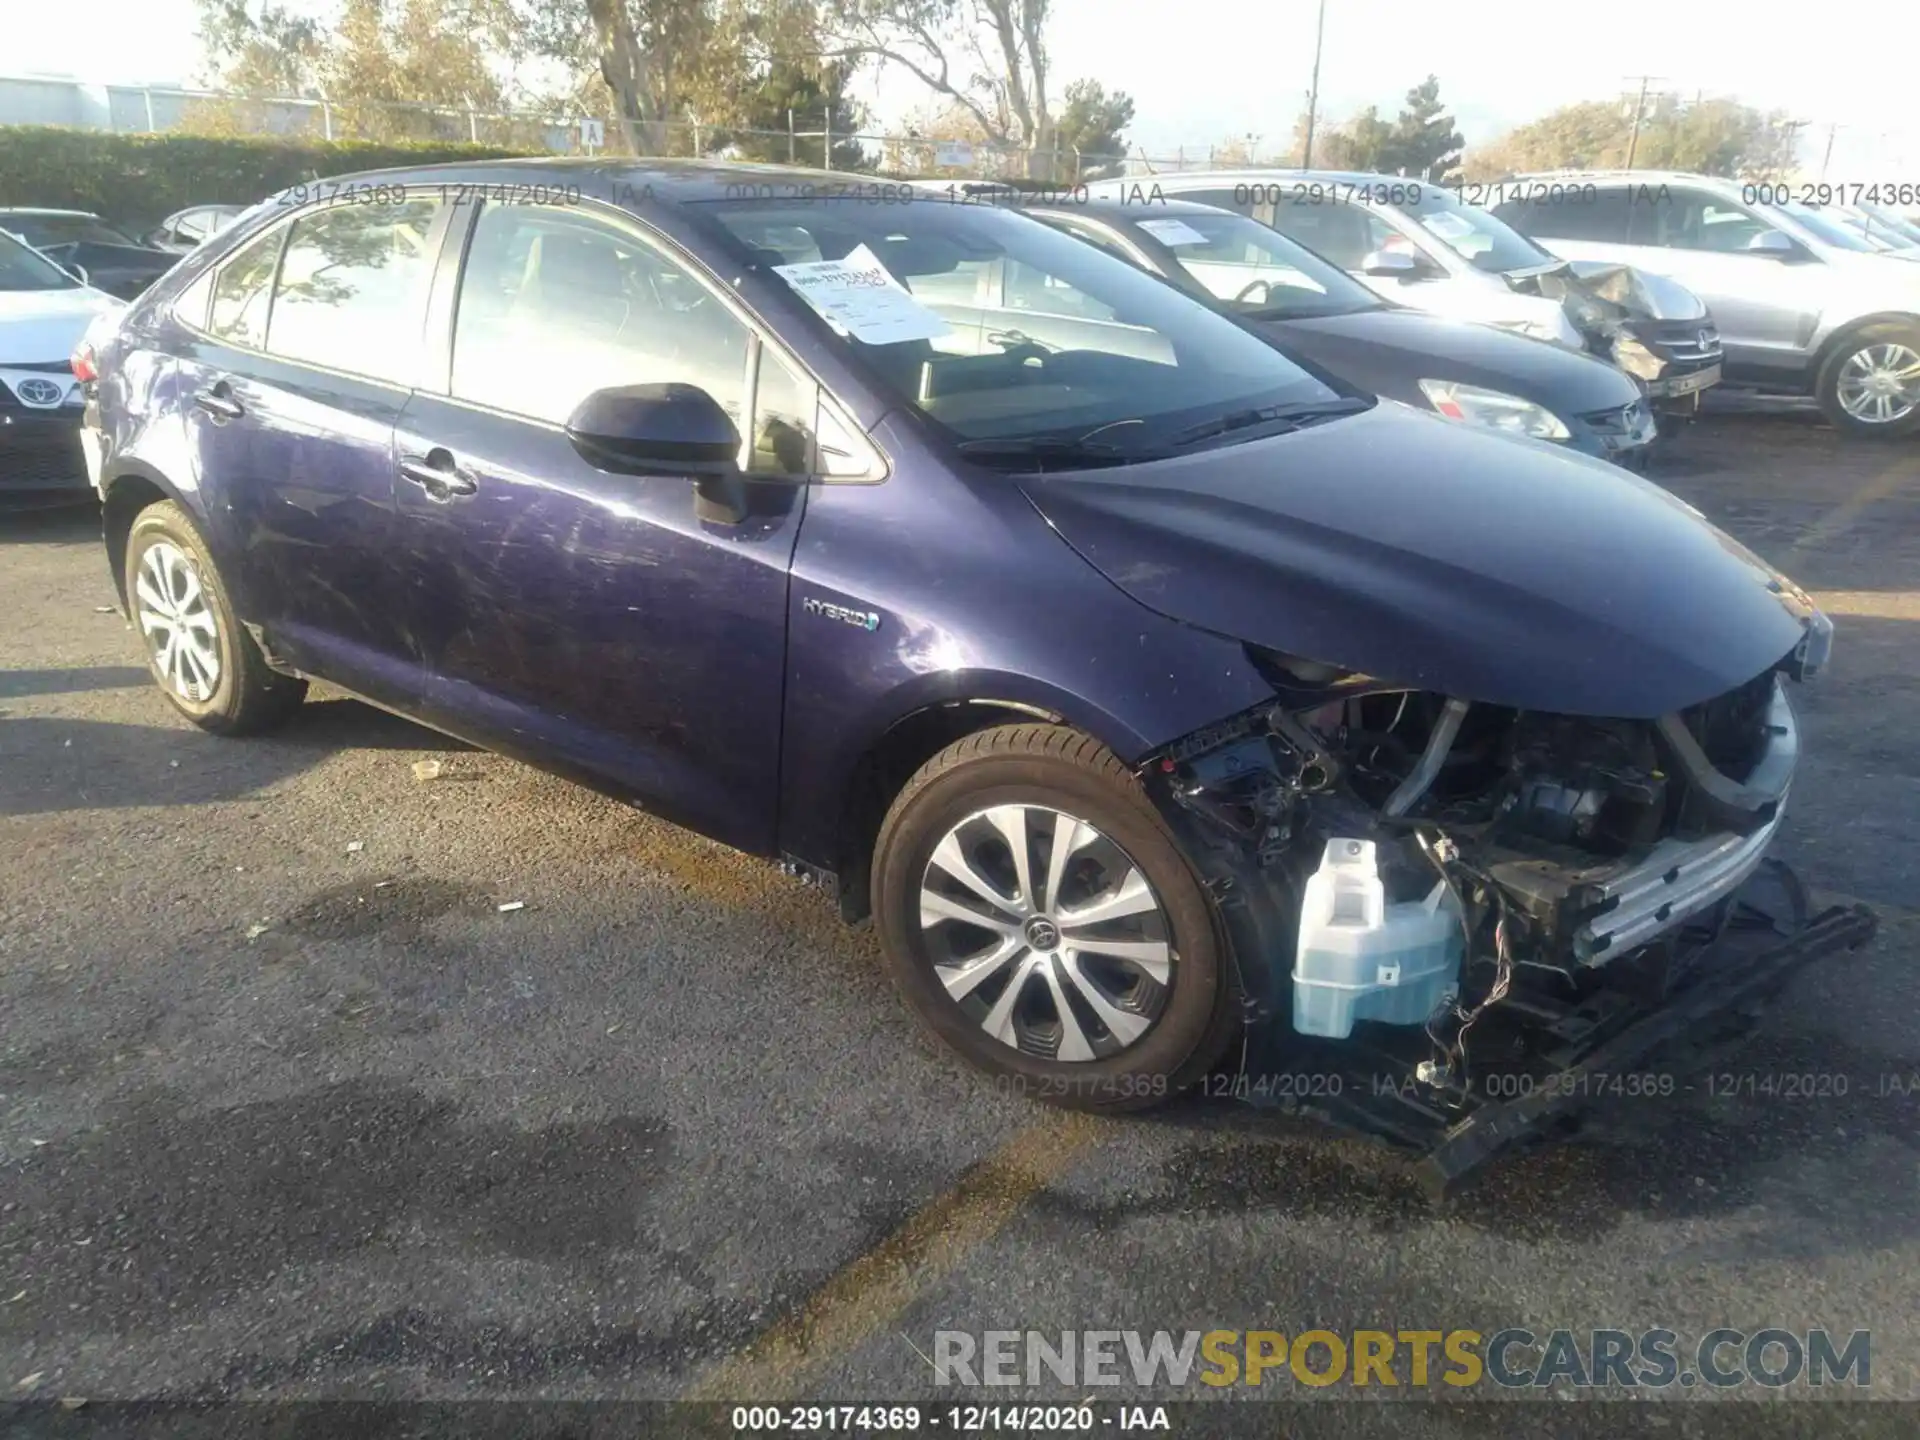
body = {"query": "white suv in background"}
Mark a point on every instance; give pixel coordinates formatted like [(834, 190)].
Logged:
[(1805, 305), (1411, 241)]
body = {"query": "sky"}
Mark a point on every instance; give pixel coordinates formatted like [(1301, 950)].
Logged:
[(1203, 71)]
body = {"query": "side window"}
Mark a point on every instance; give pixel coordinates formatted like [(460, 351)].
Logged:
[(240, 292), (1704, 222), (352, 292), (1043, 294), (555, 305), (1602, 216), (1344, 234)]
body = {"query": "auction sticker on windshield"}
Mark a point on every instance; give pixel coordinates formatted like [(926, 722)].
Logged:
[(1173, 232), (858, 294)]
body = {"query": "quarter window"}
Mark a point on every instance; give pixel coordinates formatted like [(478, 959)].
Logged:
[(241, 290), (352, 292), (555, 305)]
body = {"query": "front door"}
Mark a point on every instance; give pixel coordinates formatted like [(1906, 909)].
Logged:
[(595, 622), (1766, 306)]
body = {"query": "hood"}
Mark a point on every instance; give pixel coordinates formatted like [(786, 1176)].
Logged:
[(41, 325), (1438, 556), (1638, 294), (1390, 351)]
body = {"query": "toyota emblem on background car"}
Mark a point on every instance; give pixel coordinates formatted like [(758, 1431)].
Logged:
[(40, 393)]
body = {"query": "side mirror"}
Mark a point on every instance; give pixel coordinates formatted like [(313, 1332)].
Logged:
[(665, 429), (1771, 242), (1390, 265)]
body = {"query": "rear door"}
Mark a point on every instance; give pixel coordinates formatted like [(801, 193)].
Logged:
[(308, 349), (598, 622)]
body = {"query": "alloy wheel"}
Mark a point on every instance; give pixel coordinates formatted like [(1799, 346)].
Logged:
[(1046, 933), (177, 621), (1879, 384)]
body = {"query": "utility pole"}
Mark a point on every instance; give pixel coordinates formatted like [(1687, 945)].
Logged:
[(1827, 158), (1639, 110), (1313, 90)]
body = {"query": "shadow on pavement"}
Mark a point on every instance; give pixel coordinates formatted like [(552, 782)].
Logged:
[(19, 684)]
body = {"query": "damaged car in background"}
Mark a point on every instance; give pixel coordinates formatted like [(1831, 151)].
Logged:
[(1167, 702), (1421, 245)]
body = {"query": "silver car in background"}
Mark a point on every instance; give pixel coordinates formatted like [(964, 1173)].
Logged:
[(1805, 304), (1418, 244)]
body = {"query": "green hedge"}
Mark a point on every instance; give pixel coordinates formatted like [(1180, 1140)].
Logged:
[(141, 179)]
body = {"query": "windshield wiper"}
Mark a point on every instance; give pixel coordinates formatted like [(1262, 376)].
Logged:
[(1293, 416)]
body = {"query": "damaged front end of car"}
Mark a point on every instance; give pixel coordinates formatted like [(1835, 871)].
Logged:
[(1650, 326), (1456, 923)]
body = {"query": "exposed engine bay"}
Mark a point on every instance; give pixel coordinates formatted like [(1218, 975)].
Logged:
[(1446, 894)]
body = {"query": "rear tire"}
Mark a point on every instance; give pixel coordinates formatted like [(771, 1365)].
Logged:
[(202, 658), (1857, 381), (1103, 920)]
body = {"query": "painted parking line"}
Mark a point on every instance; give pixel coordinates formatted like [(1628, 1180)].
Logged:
[(1898, 473), (880, 1284)]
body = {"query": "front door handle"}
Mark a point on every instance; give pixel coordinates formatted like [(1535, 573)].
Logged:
[(438, 475), (217, 400)]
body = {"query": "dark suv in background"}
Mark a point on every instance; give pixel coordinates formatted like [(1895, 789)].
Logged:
[(1072, 656)]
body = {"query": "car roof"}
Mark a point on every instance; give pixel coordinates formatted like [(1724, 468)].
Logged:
[(1632, 177), (1262, 173), (662, 179), (1113, 208), (37, 210)]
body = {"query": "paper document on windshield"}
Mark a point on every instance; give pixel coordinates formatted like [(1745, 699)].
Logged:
[(859, 295), (1173, 232)]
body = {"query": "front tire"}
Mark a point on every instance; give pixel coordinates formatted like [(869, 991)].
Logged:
[(1870, 385), (1039, 918), (201, 657)]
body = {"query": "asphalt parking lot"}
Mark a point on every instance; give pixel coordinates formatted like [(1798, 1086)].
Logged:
[(290, 1106)]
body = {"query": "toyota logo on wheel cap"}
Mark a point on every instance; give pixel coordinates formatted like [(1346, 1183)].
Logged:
[(41, 393)]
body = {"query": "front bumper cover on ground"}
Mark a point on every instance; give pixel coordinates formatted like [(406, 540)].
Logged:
[(1700, 987)]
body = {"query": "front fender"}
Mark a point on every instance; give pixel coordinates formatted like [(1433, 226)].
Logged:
[(971, 597)]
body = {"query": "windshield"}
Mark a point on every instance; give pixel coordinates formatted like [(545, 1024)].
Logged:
[(1258, 271), (45, 231), (1828, 227), (997, 327), (22, 269), (1891, 223), (1484, 242)]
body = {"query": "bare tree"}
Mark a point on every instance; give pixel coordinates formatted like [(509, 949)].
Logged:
[(988, 57)]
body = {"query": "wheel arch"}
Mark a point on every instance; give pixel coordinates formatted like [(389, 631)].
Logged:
[(131, 489), (1832, 344), (921, 729)]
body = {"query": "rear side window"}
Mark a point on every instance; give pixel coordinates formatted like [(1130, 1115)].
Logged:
[(1602, 216), (241, 289), (555, 304), (352, 292)]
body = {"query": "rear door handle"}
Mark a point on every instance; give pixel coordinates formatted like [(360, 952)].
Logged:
[(217, 400), (438, 475)]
